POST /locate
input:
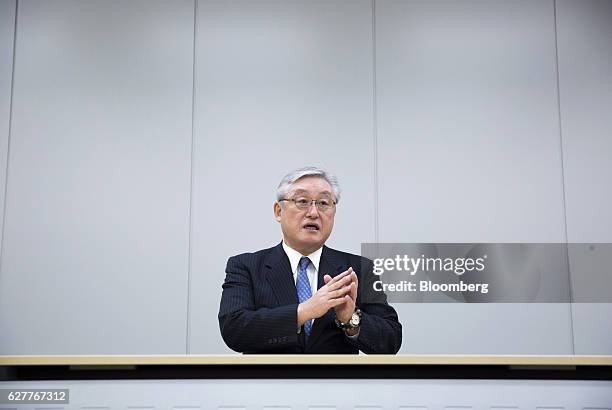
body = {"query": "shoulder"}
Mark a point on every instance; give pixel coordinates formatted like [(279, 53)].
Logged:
[(347, 258), (252, 258)]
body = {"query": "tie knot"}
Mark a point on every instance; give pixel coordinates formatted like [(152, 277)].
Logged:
[(303, 263)]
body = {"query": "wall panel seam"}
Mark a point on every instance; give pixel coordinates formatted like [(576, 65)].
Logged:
[(563, 194), (190, 218), (375, 127), (8, 145)]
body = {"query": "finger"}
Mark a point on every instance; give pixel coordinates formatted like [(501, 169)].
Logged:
[(340, 283), (338, 301), (335, 284), (326, 279), (340, 292), (354, 291), (355, 281), (341, 275)]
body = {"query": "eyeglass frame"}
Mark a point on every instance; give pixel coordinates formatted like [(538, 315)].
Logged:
[(315, 201)]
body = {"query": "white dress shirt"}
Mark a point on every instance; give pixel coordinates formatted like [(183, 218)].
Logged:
[(313, 267), (312, 270)]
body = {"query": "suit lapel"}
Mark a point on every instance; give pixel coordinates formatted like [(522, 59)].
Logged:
[(332, 266), (280, 277), (326, 267)]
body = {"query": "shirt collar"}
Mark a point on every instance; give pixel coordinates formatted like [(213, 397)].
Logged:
[(294, 257)]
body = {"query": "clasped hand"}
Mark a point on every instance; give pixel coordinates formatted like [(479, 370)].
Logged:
[(339, 292)]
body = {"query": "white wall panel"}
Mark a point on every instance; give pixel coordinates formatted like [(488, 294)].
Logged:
[(585, 72), (96, 234), (279, 85), (7, 32), (469, 151)]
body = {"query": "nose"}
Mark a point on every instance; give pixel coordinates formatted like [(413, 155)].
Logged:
[(313, 211)]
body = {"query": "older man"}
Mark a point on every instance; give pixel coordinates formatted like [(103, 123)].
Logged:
[(301, 296)]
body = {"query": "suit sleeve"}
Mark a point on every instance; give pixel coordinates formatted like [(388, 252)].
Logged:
[(244, 327), (380, 331)]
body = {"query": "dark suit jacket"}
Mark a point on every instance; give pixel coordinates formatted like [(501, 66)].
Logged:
[(258, 312)]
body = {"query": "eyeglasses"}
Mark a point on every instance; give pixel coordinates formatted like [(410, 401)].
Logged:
[(322, 205)]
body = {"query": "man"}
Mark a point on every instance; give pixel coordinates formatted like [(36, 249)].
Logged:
[(301, 296)]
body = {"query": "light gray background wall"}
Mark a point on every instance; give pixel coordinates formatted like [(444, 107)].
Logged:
[(143, 131), (468, 136), (585, 74), (95, 247), (7, 36), (278, 85)]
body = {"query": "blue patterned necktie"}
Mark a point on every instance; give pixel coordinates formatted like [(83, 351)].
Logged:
[(303, 288)]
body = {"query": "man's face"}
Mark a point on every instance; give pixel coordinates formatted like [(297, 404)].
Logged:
[(306, 230)]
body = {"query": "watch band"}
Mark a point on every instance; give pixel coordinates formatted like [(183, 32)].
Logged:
[(353, 323)]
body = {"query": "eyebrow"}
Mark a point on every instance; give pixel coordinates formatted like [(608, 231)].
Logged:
[(303, 191)]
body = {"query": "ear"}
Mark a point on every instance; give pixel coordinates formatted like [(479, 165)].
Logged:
[(277, 211)]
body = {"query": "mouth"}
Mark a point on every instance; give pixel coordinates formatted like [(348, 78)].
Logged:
[(311, 227)]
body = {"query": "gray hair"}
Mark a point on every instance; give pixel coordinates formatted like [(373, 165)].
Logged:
[(293, 176)]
